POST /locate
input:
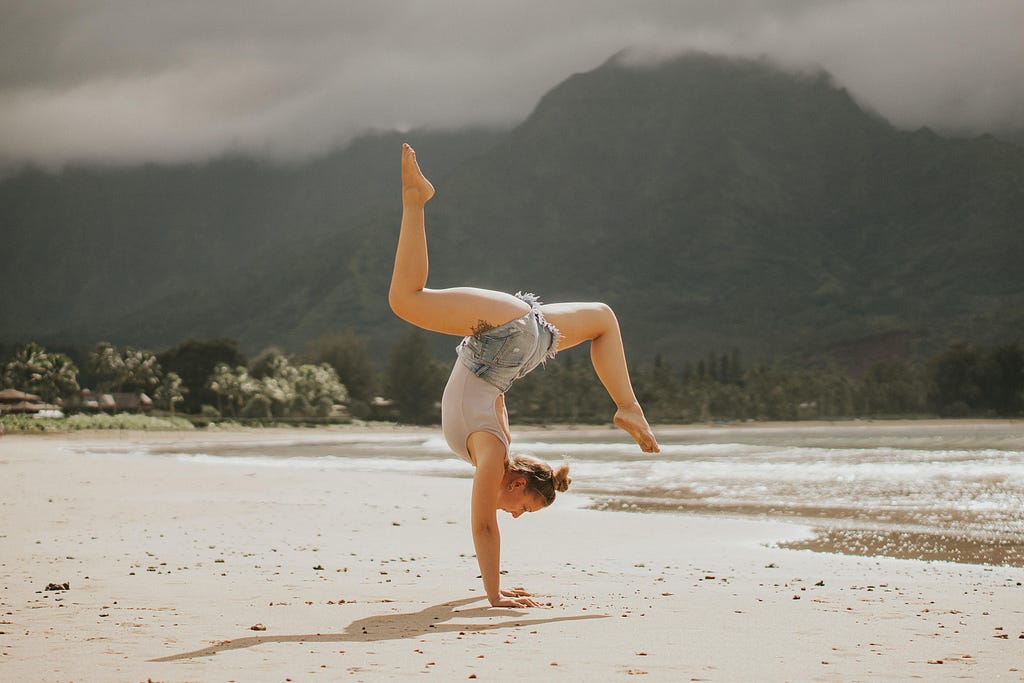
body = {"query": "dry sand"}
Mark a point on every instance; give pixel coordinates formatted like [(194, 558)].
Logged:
[(359, 576)]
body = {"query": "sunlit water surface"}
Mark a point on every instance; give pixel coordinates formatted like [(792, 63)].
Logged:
[(931, 491)]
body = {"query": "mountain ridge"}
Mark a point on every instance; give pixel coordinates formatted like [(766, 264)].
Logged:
[(714, 202)]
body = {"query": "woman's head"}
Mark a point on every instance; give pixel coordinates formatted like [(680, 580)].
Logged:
[(539, 480)]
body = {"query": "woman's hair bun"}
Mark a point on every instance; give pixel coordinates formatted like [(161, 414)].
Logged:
[(561, 479)]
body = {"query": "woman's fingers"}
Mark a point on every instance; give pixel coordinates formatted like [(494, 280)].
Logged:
[(507, 602), (520, 602), (516, 597)]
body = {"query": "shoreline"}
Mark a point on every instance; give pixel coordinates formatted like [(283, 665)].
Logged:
[(842, 530), (375, 427), (371, 576)]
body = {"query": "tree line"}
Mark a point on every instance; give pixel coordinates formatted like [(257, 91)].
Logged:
[(195, 375), (964, 380), (213, 377)]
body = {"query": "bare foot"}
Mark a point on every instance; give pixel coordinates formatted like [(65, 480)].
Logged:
[(631, 420), (415, 188)]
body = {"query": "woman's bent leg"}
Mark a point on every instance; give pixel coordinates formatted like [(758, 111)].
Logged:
[(596, 322), (460, 310)]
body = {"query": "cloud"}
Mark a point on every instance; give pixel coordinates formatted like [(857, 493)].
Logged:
[(123, 81), (941, 63)]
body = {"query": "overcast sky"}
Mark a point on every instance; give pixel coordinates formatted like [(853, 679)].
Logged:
[(142, 80)]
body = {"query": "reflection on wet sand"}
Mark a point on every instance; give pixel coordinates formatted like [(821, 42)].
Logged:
[(906, 534), (911, 545)]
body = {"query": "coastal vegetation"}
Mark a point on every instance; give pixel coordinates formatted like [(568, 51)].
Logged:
[(270, 387), (74, 423), (964, 380)]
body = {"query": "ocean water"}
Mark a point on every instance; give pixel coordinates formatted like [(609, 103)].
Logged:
[(928, 490)]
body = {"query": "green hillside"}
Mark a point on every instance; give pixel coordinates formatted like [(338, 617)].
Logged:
[(107, 253), (714, 203)]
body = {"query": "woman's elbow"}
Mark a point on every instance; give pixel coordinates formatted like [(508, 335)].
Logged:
[(483, 528)]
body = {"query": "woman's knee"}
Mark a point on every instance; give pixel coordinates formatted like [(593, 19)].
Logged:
[(604, 314), (603, 320)]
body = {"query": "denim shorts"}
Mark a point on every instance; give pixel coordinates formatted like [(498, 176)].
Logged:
[(505, 353)]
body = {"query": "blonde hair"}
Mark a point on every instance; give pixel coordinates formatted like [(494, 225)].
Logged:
[(540, 478)]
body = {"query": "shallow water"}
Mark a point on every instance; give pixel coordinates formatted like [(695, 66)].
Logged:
[(930, 491)]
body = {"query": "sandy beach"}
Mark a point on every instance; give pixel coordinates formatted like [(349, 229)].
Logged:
[(356, 576)]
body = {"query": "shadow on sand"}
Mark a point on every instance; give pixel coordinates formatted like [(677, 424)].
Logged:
[(434, 619)]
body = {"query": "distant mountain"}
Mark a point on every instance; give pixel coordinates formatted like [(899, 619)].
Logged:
[(1015, 135), (715, 203)]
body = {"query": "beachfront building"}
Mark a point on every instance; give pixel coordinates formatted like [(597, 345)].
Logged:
[(87, 401), (127, 402), (13, 401)]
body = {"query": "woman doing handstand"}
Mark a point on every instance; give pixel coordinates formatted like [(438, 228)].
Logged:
[(504, 338)]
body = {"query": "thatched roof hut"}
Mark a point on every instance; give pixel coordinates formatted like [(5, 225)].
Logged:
[(14, 401), (12, 396)]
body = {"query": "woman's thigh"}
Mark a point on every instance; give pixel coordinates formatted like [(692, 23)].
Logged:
[(462, 310)]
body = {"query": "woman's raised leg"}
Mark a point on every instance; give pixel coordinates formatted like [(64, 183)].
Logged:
[(596, 322), (459, 310)]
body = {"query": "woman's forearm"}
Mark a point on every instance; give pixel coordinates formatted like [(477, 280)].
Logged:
[(487, 541)]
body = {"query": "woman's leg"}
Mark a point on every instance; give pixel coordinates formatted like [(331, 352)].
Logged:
[(596, 322), (459, 310)]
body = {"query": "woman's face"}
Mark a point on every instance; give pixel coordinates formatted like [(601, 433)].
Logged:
[(514, 498)]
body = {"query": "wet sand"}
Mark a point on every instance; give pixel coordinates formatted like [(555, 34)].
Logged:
[(367, 576), (838, 530), (915, 545)]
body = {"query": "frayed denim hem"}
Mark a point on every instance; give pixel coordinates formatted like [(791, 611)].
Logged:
[(535, 303)]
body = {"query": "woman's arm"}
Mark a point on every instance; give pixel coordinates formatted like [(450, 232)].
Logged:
[(489, 454)]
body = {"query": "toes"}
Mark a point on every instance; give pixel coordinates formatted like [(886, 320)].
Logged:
[(409, 157)]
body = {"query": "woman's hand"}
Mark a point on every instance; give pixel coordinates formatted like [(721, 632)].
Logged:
[(516, 597)]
